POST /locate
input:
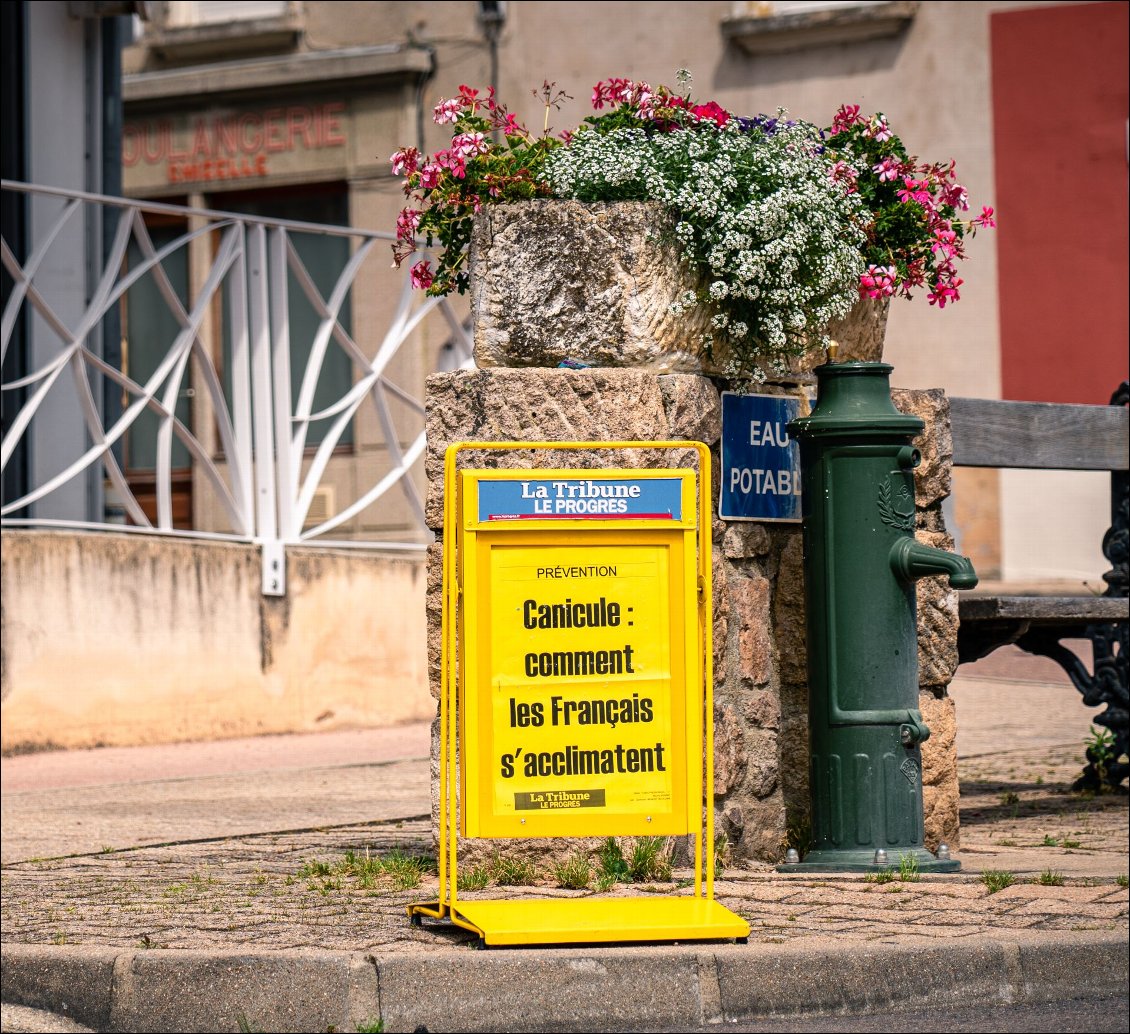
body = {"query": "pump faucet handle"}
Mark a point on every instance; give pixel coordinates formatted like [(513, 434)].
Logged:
[(911, 560)]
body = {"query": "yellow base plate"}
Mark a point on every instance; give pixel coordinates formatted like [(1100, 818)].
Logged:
[(600, 920)]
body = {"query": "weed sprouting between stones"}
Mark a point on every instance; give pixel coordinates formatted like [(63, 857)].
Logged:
[(997, 879), (475, 878), (908, 869), (575, 873), (367, 872), (512, 872)]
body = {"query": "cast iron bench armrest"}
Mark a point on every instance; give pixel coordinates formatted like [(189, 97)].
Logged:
[(1052, 436), (988, 622)]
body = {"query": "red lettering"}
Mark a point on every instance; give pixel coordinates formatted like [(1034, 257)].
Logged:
[(225, 135), (331, 122), (298, 120), (250, 132), (275, 129), (261, 165), (170, 146), (131, 146), (201, 144), (148, 152)]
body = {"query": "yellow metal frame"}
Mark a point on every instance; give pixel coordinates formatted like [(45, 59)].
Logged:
[(583, 920)]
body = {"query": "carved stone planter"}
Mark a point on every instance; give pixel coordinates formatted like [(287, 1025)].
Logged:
[(561, 281)]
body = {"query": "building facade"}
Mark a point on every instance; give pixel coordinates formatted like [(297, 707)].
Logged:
[(291, 109)]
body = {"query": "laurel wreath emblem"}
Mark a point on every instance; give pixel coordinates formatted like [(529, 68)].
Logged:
[(896, 513)]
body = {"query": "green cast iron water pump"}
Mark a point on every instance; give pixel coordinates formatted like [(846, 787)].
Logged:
[(861, 561)]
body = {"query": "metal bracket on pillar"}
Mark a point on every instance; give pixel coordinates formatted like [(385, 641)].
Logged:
[(274, 568)]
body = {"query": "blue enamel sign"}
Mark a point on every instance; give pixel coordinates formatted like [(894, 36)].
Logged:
[(571, 497), (760, 462)]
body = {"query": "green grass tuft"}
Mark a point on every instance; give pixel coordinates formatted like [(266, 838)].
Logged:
[(997, 879), (575, 873)]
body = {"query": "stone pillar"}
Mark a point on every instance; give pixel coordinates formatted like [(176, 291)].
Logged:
[(564, 281)]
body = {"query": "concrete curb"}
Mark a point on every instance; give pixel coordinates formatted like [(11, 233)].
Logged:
[(566, 989)]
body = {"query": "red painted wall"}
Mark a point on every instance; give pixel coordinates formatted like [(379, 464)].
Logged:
[(1060, 103)]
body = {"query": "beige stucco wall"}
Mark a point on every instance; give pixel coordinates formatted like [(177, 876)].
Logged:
[(124, 639)]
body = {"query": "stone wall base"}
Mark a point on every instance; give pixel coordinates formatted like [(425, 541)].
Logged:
[(761, 705)]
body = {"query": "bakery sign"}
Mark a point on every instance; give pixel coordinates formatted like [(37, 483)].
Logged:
[(230, 145)]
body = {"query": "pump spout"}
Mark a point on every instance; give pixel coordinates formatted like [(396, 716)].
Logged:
[(911, 560)]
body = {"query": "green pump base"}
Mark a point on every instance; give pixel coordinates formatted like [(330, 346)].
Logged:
[(864, 861)]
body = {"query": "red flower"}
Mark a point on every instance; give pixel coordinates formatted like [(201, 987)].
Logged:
[(986, 218), (711, 111), (404, 161), (422, 275)]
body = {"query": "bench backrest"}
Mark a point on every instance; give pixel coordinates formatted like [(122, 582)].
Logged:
[(1039, 435)]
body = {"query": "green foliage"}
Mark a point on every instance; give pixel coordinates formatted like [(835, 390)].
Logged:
[(1049, 841), (880, 876), (782, 225), (908, 869), (1050, 878), (650, 860), (612, 868), (997, 879), (456, 182), (371, 1027), (722, 855), (1100, 752), (1122, 880), (395, 870), (512, 872), (475, 878), (405, 871), (575, 873)]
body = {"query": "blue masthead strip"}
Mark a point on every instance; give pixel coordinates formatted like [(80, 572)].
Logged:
[(588, 498)]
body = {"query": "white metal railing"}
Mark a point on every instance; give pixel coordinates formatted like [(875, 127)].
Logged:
[(248, 444)]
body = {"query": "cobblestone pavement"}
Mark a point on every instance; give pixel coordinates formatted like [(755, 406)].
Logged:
[(1066, 853)]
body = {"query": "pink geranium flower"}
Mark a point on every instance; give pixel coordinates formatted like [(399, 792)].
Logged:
[(447, 111), (986, 218), (845, 118), (407, 223), (914, 190), (878, 129), (467, 145), (422, 275), (888, 170), (945, 292), (841, 172), (404, 161), (878, 282)]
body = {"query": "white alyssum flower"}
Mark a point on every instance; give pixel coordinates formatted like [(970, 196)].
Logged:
[(757, 215)]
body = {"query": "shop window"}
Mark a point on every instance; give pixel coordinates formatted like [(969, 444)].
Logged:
[(324, 257)]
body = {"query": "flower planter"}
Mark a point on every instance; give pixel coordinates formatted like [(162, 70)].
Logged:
[(557, 282)]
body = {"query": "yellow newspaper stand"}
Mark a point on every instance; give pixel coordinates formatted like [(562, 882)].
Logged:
[(576, 628)]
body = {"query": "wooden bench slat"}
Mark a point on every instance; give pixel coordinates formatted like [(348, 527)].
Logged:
[(1039, 609), (1039, 435)]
